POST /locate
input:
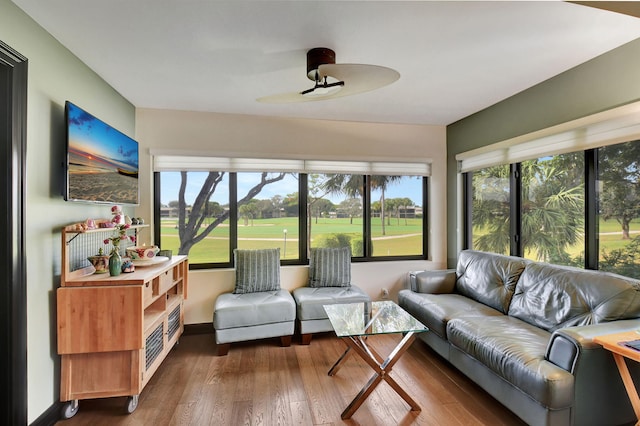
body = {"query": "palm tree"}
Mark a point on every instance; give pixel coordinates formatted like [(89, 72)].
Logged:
[(320, 186), (353, 186), (552, 207), (491, 209)]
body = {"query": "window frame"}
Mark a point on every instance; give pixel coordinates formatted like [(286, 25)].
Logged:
[(591, 245), (302, 231)]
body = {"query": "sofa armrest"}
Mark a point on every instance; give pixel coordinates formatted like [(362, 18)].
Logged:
[(568, 345), (434, 282)]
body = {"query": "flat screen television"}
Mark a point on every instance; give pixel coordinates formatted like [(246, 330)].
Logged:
[(101, 162)]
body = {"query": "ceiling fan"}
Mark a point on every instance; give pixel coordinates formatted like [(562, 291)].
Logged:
[(333, 80)]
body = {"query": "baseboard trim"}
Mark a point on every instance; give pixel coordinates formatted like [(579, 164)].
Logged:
[(50, 416)]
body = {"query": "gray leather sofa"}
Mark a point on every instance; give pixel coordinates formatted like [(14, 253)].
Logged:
[(523, 331)]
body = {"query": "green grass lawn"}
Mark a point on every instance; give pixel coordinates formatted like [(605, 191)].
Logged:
[(610, 236), (399, 239)]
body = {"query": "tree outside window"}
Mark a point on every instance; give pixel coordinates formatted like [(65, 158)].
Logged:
[(619, 208), (553, 210), (491, 210), (198, 218)]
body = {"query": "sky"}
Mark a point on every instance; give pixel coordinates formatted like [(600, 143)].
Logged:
[(170, 184), (97, 143)]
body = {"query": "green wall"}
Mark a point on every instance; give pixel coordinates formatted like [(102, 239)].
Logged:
[(605, 82), (55, 75)]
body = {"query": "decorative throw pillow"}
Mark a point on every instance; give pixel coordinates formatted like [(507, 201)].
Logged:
[(330, 267), (257, 270)]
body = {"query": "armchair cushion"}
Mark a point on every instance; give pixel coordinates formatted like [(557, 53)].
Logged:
[(257, 270), (330, 267)]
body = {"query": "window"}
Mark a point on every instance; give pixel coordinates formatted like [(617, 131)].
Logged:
[(335, 211), (206, 214), (205, 229), (580, 209), (268, 219), (552, 209), (491, 210), (396, 216), (619, 208), (336, 214)]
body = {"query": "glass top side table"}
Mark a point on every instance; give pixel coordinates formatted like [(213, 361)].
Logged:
[(354, 323)]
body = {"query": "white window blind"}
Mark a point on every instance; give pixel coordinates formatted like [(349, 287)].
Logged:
[(607, 128), (176, 163), (164, 163)]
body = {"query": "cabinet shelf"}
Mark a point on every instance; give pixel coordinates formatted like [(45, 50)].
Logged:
[(151, 319), (73, 233), (173, 300), (79, 244)]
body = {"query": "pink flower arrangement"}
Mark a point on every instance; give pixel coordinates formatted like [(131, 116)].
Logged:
[(121, 232)]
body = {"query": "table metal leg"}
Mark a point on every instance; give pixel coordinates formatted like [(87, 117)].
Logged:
[(340, 360), (381, 367)]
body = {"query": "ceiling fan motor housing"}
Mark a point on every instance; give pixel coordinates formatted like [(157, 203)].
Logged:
[(316, 57)]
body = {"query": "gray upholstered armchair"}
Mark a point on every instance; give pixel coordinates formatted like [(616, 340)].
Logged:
[(258, 308), (329, 283)]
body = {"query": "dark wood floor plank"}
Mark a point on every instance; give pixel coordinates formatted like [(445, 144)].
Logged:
[(262, 383)]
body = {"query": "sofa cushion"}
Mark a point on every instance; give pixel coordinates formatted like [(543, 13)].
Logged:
[(330, 267), (436, 310), (257, 270), (515, 351), (310, 301), (553, 297), (488, 277), (250, 309)]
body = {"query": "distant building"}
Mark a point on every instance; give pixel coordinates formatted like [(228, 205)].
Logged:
[(410, 212), (167, 211)]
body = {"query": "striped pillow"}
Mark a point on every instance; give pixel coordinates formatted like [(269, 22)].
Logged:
[(330, 267), (257, 270)]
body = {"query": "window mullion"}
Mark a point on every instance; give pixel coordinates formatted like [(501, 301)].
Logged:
[(591, 207), (303, 200), (366, 217), (467, 228), (233, 214), (515, 212), (425, 217), (156, 207)]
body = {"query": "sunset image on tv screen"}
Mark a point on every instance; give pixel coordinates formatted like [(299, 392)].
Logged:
[(102, 161)]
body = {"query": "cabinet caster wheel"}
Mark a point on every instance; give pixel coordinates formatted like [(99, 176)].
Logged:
[(132, 403), (69, 409)]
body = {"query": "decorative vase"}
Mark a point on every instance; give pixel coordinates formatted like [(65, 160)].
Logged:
[(115, 263), (100, 262)]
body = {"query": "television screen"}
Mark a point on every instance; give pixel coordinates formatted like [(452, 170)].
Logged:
[(102, 162)]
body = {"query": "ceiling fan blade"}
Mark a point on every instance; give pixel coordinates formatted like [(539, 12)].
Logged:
[(357, 78), (345, 79), (283, 98)]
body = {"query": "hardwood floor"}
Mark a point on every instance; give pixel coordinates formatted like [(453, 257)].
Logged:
[(261, 383)]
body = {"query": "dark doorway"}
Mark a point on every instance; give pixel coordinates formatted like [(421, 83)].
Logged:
[(13, 283)]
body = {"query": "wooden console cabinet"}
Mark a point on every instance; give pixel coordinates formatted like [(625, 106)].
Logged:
[(114, 332)]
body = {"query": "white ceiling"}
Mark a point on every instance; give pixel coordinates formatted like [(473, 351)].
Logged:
[(454, 58)]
